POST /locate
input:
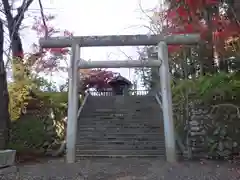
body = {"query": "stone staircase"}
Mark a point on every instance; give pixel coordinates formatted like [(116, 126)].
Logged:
[(120, 126)]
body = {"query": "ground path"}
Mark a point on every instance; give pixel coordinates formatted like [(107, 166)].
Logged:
[(127, 169)]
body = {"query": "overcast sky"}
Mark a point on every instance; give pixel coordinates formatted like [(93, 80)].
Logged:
[(95, 17)]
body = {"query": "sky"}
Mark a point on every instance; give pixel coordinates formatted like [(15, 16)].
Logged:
[(94, 17)]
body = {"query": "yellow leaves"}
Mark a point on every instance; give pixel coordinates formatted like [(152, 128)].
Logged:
[(18, 98), (19, 90)]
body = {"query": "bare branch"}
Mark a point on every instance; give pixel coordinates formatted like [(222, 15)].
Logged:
[(43, 18), (19, 17), (155, 30), (7, 10)]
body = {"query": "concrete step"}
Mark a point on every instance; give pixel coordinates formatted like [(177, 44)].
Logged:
[(92, 139), (159, 147), (134, 116), (132, 105), (119, 142), (120, 120), (129, 112), (112, 127), (122, 134), (121, 123), (123, 112), (124, 104), (119, 153), (121, 127), (120, 131), (81, 138)]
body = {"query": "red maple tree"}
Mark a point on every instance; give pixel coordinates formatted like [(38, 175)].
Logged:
[(98, 79), (49, 59), (185, 17)]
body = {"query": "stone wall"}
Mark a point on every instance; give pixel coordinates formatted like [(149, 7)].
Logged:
[(212, 132), (196, 131)]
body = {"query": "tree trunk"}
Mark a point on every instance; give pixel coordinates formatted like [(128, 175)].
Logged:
[(17, 54), (207, 51), (4, 97), (13, 24)]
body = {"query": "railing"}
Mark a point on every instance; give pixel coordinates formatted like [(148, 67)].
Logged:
[(158, 98), (177, 137), (82, 104), (126, 93), (138, 92)]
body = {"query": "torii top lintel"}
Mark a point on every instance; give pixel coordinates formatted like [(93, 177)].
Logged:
[(120, 40)]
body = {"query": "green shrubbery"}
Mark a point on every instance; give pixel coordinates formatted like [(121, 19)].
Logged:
[(220, 95), (41, 127), (37, 116), (214, 88)]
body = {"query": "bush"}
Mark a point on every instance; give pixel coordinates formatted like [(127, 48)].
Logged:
[(42, 126), (27, 134), (220, 95)]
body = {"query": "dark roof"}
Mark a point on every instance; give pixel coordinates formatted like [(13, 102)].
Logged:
[(120, 78)]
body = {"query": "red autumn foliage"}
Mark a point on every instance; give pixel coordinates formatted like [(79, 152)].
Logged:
[(92, 79), (97, 79), (49, 30), (48, 59), (184, 18)]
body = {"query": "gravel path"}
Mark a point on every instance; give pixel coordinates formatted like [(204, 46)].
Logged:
[(127, 169)]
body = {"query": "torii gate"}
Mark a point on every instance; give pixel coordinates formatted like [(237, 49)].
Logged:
[(123, 40)]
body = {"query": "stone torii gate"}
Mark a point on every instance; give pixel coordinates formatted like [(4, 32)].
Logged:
[(123, 40)]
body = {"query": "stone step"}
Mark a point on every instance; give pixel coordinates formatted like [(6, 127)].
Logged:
[(114, 143), (109, 98), (119, 117), (118, 113), (135, 104), (115, 127), (118, 127), (121, 127), (143, 113), (118, 137), (121, 123), (122, 131), (120, 120), (121, 102), (124, 105), (159, 147), (119, 142), (129, 112), (119, 153), (158, 135), (82, 139), (114, 135), (121, 134)]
